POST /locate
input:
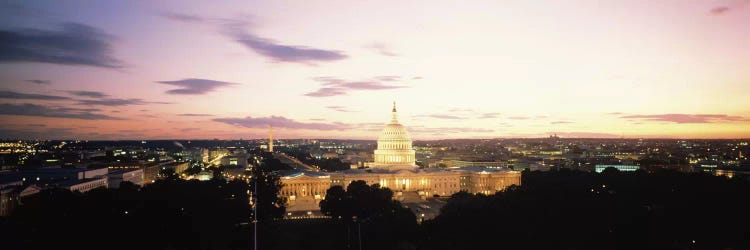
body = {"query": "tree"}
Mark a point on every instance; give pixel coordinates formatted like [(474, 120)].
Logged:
[(359, 200), (337, 203), (216, 172), (371, 209), (269, 204)]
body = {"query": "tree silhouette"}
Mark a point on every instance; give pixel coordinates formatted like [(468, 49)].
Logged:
[(385, 223), (269, 204)]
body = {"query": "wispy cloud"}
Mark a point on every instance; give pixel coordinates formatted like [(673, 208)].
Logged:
[(30, 134), (195, 115), (238, 30), (688, 118), (280, 122), (447, 130), (278, 52), (381, 48), (28, 109), (37, 81), (195, 86), (326, 92), (441, 116), (74, 44), (560, 122), (719, 10), (339, 108), (489, 115), (84, 93), (731, 6), (115, 102), (181, 17), (519, 117), (27, 96), (527, 117), (332, 86), (462, 110)]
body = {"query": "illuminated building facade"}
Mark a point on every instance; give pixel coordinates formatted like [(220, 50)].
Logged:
[(623, 168), (118, 176), (394, 167)]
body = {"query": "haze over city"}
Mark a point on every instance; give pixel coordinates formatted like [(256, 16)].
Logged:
[(331, 69)]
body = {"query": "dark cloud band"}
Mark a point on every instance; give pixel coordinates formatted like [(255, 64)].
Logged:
[(28, 109), (195, 86), (74, 44)]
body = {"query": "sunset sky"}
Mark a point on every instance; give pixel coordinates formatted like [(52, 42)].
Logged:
[(331, 69)]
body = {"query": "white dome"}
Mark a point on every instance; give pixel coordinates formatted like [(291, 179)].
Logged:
[(394, 133), (394, 146)]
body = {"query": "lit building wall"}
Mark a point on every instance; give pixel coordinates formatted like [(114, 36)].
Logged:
[(624, 168), (87, 185), (117, 177)]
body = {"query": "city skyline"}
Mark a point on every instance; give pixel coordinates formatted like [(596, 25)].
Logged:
[(330, 70)]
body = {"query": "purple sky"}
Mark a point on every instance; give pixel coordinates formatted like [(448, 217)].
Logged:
[(331, 69)]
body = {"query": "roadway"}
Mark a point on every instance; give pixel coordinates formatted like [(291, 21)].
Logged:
[(217, 160), (293, 162)]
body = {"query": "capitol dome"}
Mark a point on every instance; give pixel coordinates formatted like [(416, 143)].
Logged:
[(394, 146)]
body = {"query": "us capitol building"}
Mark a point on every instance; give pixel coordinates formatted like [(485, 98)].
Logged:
[(394, 167)]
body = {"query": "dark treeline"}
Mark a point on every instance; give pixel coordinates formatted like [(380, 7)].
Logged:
[(559, 209), (169, 214), (577, 210)]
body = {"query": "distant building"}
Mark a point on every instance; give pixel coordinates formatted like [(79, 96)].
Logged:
[(151, 171), (216, 153), (116, 177), (707, 165), (204, 175), (742, 170), (9, 196), (489, 164), (238, 160), (52, 175), (178, 167), (204, 155), (330, 155), (623, 168), (84, 185)]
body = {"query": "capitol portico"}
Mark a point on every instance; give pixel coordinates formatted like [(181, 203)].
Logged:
[(394, 167)]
